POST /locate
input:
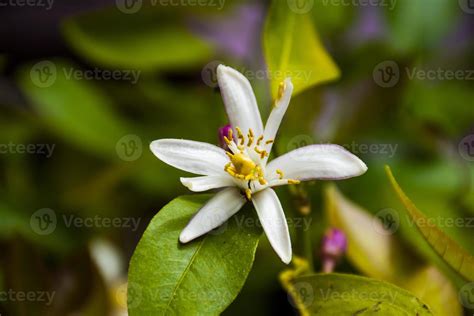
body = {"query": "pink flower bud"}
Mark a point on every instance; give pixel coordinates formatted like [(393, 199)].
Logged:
[(333, 247), (224, 132)]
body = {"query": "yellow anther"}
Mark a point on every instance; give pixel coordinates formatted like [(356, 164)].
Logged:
[(250, 136), (251, 132), (280, 173), (227, 140), (240, 135), (250, 142), (291, 181), (262, 181), (262, 153), (230, 155), (248, 193), (259, 140), (281, 90), (268, 142)]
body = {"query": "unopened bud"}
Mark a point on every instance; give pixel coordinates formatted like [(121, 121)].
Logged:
[(224, 132), (333, 247)]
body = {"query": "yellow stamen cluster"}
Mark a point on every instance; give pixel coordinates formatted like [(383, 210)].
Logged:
[(242, 166)]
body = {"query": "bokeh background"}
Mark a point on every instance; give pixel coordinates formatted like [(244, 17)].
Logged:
[(85, 86)]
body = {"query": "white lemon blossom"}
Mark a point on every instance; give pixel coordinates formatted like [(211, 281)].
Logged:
[(243, 172)]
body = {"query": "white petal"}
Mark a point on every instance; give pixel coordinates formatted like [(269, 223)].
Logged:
[(195, 157), (239, 100), (204, 183), (218, 210), (274, 223), (276, 116), (329, 162)]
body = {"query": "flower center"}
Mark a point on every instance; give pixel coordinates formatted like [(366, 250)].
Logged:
[(243, 165), (246, 164)]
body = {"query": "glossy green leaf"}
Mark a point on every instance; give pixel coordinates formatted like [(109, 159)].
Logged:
[(293, 49), (75, 109), (379, 253), (142, 41), (200, 278), (342, 294), (450, 251)]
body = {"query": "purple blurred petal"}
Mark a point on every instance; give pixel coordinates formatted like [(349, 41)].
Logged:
[(369, 26), (237, 33)]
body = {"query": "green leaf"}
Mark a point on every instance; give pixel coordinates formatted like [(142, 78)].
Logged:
[(145, 40), (200, 278), (341, 294), (75, 109), (417, 25), (452, 253), (425, 101), (293, 49), (433, 287), (378, 253)]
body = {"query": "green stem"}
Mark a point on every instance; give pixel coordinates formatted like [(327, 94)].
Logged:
[(303, 244)]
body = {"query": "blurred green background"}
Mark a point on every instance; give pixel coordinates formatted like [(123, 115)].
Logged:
[(85, 86)]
